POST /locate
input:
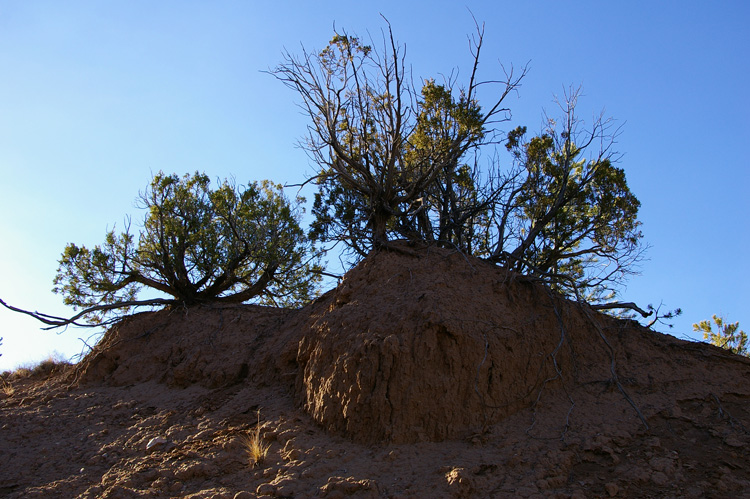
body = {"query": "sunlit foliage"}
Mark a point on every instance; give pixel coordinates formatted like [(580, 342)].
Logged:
[(423, 165), (727, 335), (197, 245)]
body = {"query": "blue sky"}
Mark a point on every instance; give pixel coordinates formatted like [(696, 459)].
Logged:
[(97, 96)]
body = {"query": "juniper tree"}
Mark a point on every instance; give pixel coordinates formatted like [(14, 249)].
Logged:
[(383, 151), (568, 214), (197, 245), (395, 162)]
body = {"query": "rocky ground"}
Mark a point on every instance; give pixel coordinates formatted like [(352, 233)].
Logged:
[(423, 374)]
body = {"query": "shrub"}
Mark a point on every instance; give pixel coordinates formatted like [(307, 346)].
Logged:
[(197, 245)]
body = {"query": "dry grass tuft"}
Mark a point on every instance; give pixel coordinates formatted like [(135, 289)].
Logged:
[(6, 388), (53, 364), (257, 451)]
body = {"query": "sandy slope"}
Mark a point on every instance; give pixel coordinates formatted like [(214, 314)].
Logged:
[(422, 375)]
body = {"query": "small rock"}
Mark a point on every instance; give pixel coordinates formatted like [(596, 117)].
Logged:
[(161, 483), (659, 478), (156, 442), (554, 482), (201, 435), (654, 443), (270, 435), (290, 452), (341, 487), (286, 486), (265, 489), (526, 491), (734, 441), (285, 436), (195, 470), (612, 489), (269, 472), (663, 464), (460, 482)]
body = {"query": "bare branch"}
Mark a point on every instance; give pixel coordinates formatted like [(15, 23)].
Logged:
[(56, 322), (622, 305)]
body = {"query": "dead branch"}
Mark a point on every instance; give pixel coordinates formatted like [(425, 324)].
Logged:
[(54, 322), (622, 305)]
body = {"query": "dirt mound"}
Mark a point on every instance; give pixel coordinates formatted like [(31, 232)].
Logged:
[(213, 346), (423, 374), (439, 346), (413, 349)]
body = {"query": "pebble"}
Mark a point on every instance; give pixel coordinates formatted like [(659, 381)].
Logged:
[(612, 489), (155, 442)]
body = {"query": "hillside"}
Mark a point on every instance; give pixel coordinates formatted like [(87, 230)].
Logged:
[(423, 374)]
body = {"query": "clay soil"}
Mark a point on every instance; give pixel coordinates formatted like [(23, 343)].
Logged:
[(423, 374)]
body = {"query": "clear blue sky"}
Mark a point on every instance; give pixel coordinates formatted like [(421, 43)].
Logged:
[(96, 96)]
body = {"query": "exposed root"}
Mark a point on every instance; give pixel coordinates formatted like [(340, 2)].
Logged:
[(612, 366), (724, 413), (558, 375)]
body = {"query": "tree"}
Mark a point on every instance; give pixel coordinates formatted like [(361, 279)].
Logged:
[(198, 245), (450, 132), (395, 162), (566, 217), (727, 335), (382, 151)]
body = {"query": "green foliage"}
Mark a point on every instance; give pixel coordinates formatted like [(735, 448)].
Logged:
[(726, 336), (447, 130), (400, 163), (577, 218), (346, 97), (390, 163), (231, 244), (355, 100), (426, 193)]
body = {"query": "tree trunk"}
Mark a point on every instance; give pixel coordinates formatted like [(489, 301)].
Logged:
[(379, 226)]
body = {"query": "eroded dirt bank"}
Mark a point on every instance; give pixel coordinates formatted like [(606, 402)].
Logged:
[(421, 375)]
